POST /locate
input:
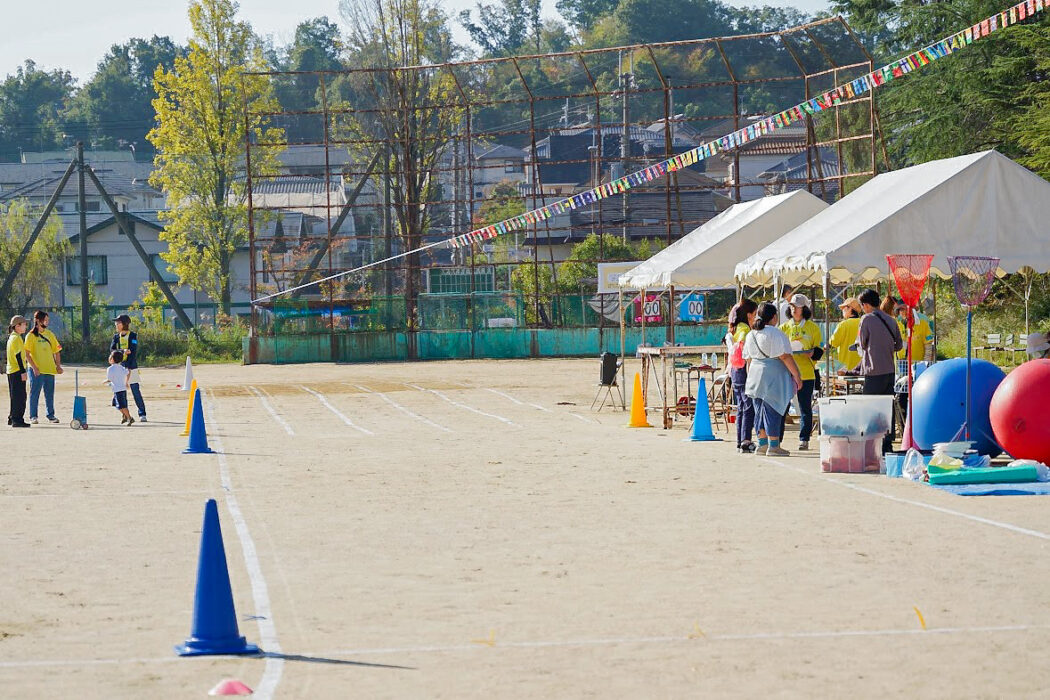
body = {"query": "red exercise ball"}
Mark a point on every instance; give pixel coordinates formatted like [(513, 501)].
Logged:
[(1020, 414)]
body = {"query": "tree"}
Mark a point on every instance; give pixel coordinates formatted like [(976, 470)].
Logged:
[(33, 283), (581, 267), (504, 202), (505, 27), (1031, 120), (317, 46), (582, 14), (115, 107), (200, 137), (31, 104), (411, 113)]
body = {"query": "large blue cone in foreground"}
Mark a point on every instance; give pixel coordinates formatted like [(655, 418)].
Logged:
[(214, 619)]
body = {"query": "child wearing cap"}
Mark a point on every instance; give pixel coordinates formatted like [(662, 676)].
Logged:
[(845, 335), (126, 341), (117, 378), (17, 372)]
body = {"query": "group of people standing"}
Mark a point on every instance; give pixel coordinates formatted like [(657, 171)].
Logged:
[(34, 358), (772, 357)]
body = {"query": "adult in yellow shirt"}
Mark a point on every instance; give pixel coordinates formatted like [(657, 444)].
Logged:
[(921, 333), (45, 361), (845, 334), (17, 366), (804, 336)]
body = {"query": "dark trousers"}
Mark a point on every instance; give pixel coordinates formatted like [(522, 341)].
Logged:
[(136, 393), (882, 385), (16, 391), (745, 410), (805, 409)]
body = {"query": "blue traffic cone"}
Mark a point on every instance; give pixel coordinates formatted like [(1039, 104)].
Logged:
[(701, 417), (214, 619), (198, 443)]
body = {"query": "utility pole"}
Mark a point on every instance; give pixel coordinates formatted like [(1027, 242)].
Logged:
[(85, 301), (626, 82)]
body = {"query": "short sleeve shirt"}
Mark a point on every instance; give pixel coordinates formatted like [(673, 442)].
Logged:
[(765, 344), (15, 347), (42, 349), (808, 334)]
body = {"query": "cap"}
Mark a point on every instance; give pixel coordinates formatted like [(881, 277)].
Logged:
[(123, 318), (15, 320), (852, 303), (799, 300)]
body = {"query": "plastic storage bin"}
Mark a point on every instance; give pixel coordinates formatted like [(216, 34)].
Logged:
[(849, 454), (855, 416)]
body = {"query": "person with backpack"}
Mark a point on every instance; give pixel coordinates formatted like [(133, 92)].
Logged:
[(740, 319), (126, 341), (878, 340)]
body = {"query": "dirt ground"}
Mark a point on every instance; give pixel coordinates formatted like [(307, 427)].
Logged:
[(473, 530)]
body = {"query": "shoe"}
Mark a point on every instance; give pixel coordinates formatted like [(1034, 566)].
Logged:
[(748, 447), (53, 419), (124, 419), (777, 451), (803, 446), (130, 421), (761, 449), (34, 421), (21, 425), (142, 419)]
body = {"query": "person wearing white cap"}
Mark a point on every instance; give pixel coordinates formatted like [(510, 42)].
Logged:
[(804, 336)]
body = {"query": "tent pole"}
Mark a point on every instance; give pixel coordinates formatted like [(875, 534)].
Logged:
[(642, 300), (670, 316), (826, 388), (623, 352)]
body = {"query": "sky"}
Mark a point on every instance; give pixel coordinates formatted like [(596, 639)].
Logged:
[(74, 34)]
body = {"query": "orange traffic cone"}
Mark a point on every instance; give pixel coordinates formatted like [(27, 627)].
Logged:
[(189, 408), (638, 419)]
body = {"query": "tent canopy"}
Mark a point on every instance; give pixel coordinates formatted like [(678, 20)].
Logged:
[(982, 204), (706, 256)]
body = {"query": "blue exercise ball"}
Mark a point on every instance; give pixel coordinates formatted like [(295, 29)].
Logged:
[(939, 408)]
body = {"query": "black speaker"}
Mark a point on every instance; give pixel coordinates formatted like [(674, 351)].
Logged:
[(608, 374)]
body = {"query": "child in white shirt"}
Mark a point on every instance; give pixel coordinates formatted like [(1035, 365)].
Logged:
[(117, 378)]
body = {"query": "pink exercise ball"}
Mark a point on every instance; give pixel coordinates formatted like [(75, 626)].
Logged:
[(1019, 412)]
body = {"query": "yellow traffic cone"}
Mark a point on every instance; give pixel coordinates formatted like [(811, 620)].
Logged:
[(189, 408), (638, 406)]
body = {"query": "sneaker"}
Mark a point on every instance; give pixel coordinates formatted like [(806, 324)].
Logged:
[(21, 425), (53, 419), (142, 419), (130, 421), (761, 449), (803, 446), (34, 421), (124, 419), (777, 451)]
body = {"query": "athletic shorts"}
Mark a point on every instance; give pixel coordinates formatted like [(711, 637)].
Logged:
[(133, 378), (121, 398)]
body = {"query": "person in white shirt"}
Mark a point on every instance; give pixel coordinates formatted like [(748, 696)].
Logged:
[(772, 378), (117, 378)]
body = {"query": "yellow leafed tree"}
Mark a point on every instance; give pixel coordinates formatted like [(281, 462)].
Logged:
[(200, 141)]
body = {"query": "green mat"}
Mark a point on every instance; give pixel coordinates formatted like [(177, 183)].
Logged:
[(991, 475)]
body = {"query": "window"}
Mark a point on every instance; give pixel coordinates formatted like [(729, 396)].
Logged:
[(162, 267), (511, 166), (97, 270)]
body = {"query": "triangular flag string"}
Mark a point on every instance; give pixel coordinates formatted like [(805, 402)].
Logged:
[(876, 78)]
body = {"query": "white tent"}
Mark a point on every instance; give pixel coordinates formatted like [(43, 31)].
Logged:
[(706, 257), (980, 204)]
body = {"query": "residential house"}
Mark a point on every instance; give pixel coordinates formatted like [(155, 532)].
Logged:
[(754, 157)]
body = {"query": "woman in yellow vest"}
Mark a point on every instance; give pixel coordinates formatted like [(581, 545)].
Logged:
[(17, 372), (845, 334), (45, 361), (804, 336)]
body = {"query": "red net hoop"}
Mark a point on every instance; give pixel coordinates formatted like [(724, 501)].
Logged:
[(972, 278), (910, 273)]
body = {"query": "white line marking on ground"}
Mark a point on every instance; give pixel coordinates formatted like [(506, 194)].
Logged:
[(520, 403), (692, 639), (920, 504), (401, 408), (266, 404), (260, 594), (104, 493), (465, 406), (585, 419), (336, 411)]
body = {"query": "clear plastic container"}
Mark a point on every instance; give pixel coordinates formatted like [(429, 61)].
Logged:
[(852, 455), (855, 416)]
